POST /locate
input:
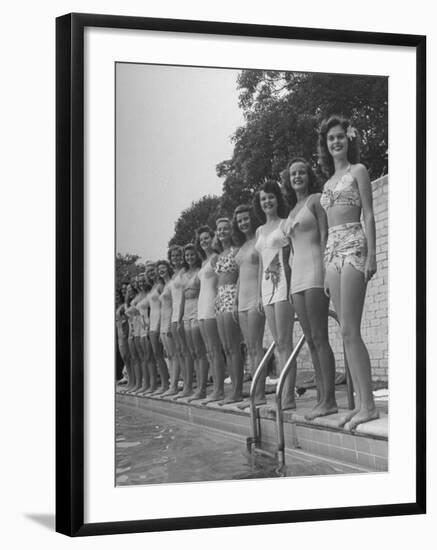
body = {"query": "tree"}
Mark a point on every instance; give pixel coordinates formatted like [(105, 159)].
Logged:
[(202, 212), (126, 266), (283, 111)]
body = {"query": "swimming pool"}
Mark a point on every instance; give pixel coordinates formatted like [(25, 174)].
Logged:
[(150, 449)]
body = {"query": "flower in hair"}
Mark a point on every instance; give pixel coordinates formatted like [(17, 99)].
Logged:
[(351, 133)]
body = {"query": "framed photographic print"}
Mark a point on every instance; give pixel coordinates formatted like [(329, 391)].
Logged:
[(240, 274)]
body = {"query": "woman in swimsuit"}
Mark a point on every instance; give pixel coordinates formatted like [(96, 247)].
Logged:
[(188, 314), (306, 226), (154, 324), (166, 272), (252, 319), (184, 361), (228, 328), (206, 311), (273, 248), (122, 325), (142, 344), (350, 259), (134, 372)]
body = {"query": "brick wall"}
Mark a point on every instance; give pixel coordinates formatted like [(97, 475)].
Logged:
[(375, 316)]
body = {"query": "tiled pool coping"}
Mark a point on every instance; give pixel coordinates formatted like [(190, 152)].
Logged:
[(367, 447)]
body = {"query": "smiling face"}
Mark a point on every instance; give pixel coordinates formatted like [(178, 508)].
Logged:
[(162, 271), (141, 282), (205, 241), (190, 257), (337, 142), (176, 258), (151, 272), (129, 292), (299, 177), (268, 202), (123, 289), (134, 283), (243, 222), (224, 230)]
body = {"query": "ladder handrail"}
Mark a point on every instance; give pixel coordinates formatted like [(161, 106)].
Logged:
[(278, 398), (253, 386)]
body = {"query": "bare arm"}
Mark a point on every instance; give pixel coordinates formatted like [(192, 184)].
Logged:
[(322, 220), (260, 274), (365, 190)]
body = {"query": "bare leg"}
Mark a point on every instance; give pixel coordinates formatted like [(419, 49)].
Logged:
[(334, 280), (230, 337), (199, 353), (140, 355), (209, 331), (162, 366), (188, 364), (168, 343), (151, 367), (312, 309), (123, 347), (144, 343), (252, 324), (135, 367), (280, 317), (353, 291), (317, 307)]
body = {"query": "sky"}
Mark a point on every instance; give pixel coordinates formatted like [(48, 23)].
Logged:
[(173, 126)]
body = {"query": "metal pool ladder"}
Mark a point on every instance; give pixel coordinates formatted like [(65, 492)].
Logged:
[(254, 439)]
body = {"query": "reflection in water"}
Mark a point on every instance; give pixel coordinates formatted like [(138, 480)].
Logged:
[(148, 451)]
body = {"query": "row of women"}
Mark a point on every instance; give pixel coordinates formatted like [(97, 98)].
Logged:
[(284, 256)]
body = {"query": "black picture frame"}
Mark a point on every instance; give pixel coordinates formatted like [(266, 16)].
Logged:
[(70, 272)]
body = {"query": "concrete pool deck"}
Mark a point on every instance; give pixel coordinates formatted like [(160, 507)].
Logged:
[(367, 447)]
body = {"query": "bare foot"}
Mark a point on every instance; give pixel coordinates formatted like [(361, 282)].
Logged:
[(170, 392), (160, 391), (213, 397), (321, 410), (246, 404), (150, 390), (197, 395), (230, 399), (361, 417), (185, 393), (344, 419)]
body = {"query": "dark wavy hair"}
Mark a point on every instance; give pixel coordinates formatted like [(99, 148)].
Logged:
[(167, 265), (192, 246), (199, 231), (239, 236), (130, 295), (270, 186), (353, 151), (313, 184)]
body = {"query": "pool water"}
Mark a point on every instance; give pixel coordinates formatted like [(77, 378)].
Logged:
[(148, 450)]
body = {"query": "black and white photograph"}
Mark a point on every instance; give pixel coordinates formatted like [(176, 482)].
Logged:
[(251, 333)]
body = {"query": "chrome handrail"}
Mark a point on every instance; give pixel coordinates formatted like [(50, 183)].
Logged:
[(253, 416), (278, 397), (254, 439)]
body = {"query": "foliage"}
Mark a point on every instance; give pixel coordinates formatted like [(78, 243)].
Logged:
[(283, 111), (201, 212), (126, 266)]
